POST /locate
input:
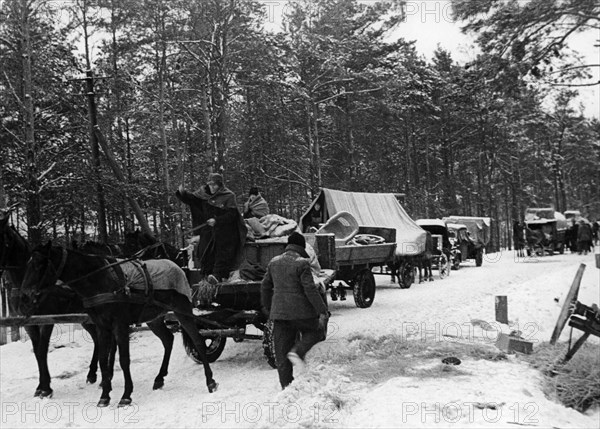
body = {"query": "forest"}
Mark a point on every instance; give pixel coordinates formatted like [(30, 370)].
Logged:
[(107, 106)]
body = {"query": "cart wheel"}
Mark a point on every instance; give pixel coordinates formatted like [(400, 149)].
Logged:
[(268, 344), (214, 347), (364, 288), (479, 258), (406, 275), (443, 266)]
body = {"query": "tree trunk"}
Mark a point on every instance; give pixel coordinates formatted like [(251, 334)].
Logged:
[(34, 210)]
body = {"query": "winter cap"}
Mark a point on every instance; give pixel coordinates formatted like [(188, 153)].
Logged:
[(253, 191), (215, 178), (297, 239)]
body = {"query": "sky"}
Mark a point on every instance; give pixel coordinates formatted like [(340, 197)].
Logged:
[(429, 23)]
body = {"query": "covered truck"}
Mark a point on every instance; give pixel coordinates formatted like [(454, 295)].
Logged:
[(545, 231), (479, 233)]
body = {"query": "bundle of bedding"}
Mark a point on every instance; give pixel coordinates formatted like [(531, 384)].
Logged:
[(271, 225)]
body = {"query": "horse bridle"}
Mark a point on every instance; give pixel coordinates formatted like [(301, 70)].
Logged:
[(9, 242)]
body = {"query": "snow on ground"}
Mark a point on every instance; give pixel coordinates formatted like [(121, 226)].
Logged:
[(380, 367)]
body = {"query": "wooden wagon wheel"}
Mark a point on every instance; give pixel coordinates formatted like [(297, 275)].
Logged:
[(214, 346), (568, 306)]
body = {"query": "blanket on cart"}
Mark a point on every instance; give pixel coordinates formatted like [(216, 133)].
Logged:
[(163, 273)]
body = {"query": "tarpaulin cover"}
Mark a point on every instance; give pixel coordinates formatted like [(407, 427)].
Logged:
[(545, 215), (375, 210), (479, 227)]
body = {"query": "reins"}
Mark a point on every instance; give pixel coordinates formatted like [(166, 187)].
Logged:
[(136, 256)]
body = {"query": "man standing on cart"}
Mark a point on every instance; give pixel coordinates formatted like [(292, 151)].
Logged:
[(292, 300), (217, 221)]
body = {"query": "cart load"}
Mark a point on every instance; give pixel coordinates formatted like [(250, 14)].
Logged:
[(369, 210)]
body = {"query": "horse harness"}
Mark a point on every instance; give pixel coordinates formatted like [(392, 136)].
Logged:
[(123, 294)]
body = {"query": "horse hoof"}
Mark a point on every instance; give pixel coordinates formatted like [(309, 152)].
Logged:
[(103, 402), (124, 402), (212, 387), (40, 393), (91, 379), (158, 384)]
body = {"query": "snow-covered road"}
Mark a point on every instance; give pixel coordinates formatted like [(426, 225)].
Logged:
[(380, 367)]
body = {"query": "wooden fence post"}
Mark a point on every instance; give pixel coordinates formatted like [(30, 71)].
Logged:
[(501, 309)]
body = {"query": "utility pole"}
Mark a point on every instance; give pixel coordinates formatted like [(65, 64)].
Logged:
[(93, 123)]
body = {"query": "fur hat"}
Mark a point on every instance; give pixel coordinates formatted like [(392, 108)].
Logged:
[(297, 239), (253, 191), (215, 178)]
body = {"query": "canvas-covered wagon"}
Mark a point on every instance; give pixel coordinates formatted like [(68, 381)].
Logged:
[(378, 214)]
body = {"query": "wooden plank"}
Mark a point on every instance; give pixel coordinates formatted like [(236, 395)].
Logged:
[(49, 319)]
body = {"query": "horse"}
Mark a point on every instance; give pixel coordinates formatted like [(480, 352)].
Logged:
[(142, 246), (148, 247), (14, 254), (112, 304)]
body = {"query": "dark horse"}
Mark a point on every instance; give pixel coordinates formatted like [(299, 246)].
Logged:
[(112, 305), (142, 246), (14, 254)]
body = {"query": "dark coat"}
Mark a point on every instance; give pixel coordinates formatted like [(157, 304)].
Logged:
[(584, 233), (220, 248), (288, 291)]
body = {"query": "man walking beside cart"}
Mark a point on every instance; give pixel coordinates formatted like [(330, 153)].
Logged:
[(292, 300)]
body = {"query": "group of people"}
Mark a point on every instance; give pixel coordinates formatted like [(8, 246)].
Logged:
[(583, 236), (289, 295)]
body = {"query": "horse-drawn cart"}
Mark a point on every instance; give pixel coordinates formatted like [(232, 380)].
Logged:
[(228, 309)]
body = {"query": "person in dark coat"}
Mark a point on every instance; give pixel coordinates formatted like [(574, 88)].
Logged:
[(584, 237), (519, 238), (292, 300), (217, 221)]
